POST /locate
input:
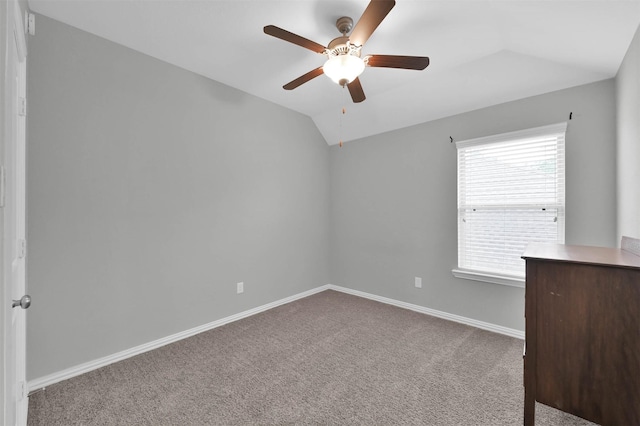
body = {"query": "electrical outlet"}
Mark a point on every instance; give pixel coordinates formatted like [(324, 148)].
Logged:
[(240, 288), (418, 282)]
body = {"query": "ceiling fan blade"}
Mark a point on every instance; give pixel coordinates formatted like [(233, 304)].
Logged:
[(369, 21), (285, 35), (303, 79), (394, 61), (355, 89)]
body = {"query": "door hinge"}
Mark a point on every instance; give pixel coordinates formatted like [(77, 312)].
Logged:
[(22, 391), (2, 185), (22, 107), (22, 248), (30, 23)]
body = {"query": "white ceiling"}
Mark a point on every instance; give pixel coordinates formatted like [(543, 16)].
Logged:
[(482, 52)]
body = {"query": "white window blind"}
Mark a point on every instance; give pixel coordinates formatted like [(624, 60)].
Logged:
[(510, 192)]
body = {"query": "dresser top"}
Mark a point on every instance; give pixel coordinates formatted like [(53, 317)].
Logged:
[(582, 254)]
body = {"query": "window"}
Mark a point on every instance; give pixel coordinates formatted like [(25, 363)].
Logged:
[(510, 193)]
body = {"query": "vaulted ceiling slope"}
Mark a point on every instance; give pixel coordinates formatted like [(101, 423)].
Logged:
[(482, 52)]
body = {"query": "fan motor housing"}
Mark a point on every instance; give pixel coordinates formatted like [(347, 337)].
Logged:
[(341, 46)]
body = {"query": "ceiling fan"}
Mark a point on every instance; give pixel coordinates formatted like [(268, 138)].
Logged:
[(344, 63)]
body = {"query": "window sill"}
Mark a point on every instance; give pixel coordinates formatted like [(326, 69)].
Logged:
[(508, 280)]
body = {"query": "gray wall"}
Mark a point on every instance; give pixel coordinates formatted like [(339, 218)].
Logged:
[(628, 127), (151, 192), (393, 201)]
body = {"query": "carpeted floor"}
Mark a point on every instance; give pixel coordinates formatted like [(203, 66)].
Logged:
[(328, 359)]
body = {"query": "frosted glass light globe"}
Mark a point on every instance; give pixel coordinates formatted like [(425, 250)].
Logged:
[(343, 69)]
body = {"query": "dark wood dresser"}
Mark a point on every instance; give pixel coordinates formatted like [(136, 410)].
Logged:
[(582, 347)]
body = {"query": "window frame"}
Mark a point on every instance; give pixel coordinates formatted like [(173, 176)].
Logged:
[(495, 277)]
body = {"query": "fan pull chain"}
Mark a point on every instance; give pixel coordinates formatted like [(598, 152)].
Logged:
[(343, 112)]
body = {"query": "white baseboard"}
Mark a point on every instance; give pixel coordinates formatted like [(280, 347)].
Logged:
[(68, 373), (444, 315)]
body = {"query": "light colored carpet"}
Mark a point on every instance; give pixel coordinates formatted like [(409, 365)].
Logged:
[(328, 359)]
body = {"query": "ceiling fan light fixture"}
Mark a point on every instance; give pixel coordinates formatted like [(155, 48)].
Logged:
[(344, 62), (343, 69)]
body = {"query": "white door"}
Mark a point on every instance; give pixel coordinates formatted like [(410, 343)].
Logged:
[(14, 222)]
